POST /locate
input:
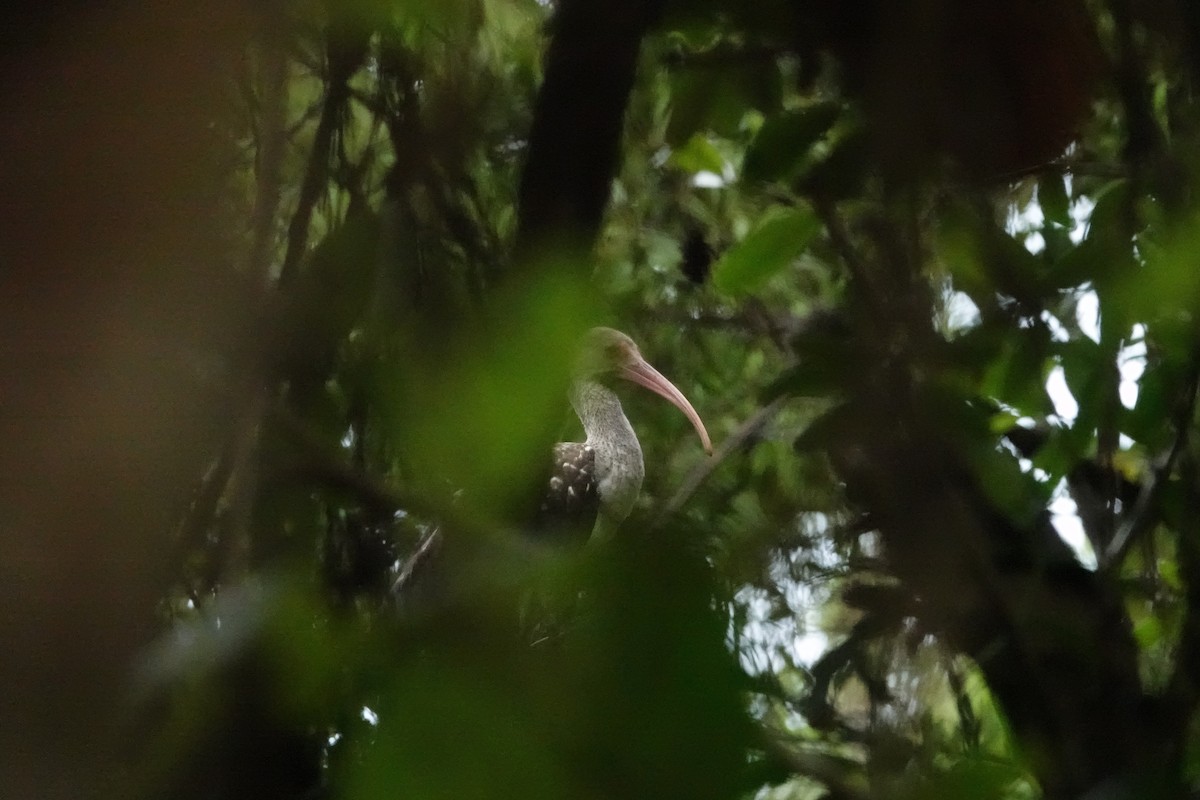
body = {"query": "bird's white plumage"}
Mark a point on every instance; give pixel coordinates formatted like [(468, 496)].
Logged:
[(603, 475), (619, 465)]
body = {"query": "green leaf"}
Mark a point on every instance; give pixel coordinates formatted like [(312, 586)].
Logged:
[(1016, 374), (1108, 217), (1156, 394), (1148, 631), (1088, 261), (707, 98), (985, 259), (1052, 196), (1013, 269), (777, 240), (1083, 362), (437, 709), (697, 155), (783, 142), (959, 249)]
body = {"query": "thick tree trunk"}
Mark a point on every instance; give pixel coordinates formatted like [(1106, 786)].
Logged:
[(575, 140)]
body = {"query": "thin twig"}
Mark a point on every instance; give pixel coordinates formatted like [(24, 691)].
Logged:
[(198, 521), (734, 441), (1065, 166), (1143, 515), (426, 550), (316, 174)]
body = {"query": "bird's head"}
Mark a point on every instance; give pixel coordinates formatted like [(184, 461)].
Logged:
[(610, 352)]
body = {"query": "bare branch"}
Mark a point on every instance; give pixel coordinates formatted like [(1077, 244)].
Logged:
[(1142, 518), (731, 444)]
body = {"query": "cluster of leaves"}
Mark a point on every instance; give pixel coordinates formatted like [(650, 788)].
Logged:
[(865, 238)]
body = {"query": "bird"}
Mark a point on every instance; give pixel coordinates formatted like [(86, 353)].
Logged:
[(593, 484)]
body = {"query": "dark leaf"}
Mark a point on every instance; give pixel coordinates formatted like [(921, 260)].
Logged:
[(782, 143), (716, 100), (1052, 197)]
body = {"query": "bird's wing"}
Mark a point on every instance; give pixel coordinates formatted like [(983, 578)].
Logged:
[(570, 502)]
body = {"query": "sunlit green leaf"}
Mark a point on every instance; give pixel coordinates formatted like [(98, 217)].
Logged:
[(697, 155), (772, 246)]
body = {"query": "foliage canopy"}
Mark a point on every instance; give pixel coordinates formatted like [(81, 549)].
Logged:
[(926, 268)]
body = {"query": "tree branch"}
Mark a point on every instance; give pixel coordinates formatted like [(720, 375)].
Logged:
[(1144, 515), (844, 777), (327, 467), (733, 442), (346, 50)]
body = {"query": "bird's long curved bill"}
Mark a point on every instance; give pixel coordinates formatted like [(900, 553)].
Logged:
[(645, 375)]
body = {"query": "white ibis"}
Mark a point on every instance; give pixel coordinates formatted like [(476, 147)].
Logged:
[(594, 483)]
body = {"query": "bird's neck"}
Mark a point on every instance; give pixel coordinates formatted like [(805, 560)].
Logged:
[(599, 409), (619, 466)]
